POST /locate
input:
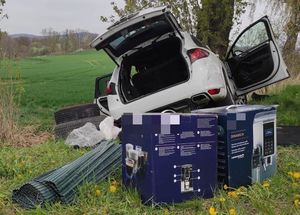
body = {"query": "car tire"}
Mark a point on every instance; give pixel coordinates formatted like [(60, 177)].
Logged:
[(64, 129), (76, 112)]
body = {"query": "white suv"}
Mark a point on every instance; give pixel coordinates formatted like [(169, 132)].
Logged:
[(159, 67)]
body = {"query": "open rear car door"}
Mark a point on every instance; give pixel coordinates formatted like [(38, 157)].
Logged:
[(254, 58), (135, 29)]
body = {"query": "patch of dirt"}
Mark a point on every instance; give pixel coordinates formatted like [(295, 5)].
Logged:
[(288, 135)]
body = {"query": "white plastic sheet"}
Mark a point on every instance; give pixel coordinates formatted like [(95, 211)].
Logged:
[(88, 135), (85, 136)]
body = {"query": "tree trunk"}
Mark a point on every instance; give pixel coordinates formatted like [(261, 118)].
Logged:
[(215, 20), (290, 44)]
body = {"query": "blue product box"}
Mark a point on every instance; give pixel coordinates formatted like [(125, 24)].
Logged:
[(170, 157), (246, 143)]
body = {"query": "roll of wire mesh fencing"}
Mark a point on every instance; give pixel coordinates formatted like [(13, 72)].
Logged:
[(61, 184)]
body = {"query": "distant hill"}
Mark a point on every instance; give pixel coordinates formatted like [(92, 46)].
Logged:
[(32, 36)]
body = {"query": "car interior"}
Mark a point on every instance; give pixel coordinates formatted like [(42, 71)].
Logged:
[(252, 59), (255, 66), (153, 68)]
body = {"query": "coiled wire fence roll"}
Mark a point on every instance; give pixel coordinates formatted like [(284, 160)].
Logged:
[(61, 185)]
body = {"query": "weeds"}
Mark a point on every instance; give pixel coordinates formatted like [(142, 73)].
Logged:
[(279, 195), (11, 91)]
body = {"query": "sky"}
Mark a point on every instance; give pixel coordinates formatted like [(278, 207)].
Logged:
[(31, 16)]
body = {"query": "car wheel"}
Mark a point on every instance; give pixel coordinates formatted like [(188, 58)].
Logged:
[(76, 112), (64, 129)]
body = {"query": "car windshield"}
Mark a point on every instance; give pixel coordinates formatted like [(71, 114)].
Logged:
[(134, 35)]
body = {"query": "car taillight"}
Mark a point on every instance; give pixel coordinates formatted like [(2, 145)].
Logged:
[(109, 90), (196, 54), (213, 91)]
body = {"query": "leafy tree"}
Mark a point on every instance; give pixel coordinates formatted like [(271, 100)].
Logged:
[(215, 20), (292, 26), (184, 10), (210, 21), (2, 2)]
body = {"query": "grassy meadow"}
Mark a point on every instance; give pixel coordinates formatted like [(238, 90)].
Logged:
[(51, 82)]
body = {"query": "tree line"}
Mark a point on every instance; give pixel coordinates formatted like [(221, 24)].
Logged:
[(51, 42)]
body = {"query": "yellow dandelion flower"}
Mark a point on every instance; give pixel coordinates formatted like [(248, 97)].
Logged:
[(114, 183), (98, 192), (232, 211), (212, 211), (166, 212), (222, 199), (225, 187), (239, 190), (112, 189), (266, 185), (296, 175), (232, 194), (290, 173), (297, 203)]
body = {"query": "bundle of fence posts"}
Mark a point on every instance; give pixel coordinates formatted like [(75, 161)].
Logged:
[(60, 185)]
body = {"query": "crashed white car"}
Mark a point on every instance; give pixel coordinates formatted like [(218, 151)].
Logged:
[(160, 67)]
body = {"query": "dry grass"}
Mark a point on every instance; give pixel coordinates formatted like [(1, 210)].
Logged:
[(8, 111), (27, 137), (11, 91)]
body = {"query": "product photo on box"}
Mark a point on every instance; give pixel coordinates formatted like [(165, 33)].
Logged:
[(170, 157), (246, 143)]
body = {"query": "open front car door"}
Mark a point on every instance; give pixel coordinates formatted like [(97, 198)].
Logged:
[(254, 59), (101, 87)]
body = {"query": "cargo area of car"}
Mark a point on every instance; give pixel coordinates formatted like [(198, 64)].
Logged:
[(152, 68)]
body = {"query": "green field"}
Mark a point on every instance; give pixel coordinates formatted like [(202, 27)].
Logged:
[(52, 82), (289, 105)]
